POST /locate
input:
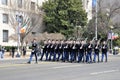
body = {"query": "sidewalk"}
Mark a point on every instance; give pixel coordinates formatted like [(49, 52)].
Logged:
[(8, 56)]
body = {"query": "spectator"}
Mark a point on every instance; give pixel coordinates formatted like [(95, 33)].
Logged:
[(13, 51), (0, 53), (24, 51), (3, 51)]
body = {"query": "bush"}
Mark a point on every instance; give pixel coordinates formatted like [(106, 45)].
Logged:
[(30, 47), (8, 48)]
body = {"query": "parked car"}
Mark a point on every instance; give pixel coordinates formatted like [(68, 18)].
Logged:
[(116, 50)]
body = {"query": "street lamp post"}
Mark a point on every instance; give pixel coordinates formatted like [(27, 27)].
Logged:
[(96, 22), (18, 34), (18, 43), (111, 41), (111, 27), (77, 32)]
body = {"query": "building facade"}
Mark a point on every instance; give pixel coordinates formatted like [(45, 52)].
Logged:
[(9, 11), (87, 5)]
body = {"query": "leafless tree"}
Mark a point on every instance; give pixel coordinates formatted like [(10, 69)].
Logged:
[(30, 17), (108, 10)]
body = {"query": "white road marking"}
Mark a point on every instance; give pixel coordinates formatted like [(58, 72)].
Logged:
[(104, 72), (59, 67)]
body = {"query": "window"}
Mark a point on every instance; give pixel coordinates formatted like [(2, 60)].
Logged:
[(4, 2), (19, 2), (5, 35), (32, 5), (5, 18)]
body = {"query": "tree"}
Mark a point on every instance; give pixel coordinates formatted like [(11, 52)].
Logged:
[(24, 20), (63, 16), (107, 13)]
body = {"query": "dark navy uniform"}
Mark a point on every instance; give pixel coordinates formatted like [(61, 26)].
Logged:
[(55, 51), (96, 52), (60, 51), (52, 46), (81, 52), (89, 48), (34, 51), (48, 50), (65, 54), (73, 52), (104, 52), (44, 49)]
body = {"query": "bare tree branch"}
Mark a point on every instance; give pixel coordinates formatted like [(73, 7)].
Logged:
[(32, 19)]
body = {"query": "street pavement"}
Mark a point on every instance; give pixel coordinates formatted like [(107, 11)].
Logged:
[(18, 69)]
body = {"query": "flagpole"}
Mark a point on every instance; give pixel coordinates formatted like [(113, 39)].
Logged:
[(111, 42), (18, 34), (96, 22), (18, 48)]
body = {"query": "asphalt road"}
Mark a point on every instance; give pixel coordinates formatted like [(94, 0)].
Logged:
[(17, 69)]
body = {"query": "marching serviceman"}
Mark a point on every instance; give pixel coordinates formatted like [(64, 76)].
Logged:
[(65, 53), (73, 52), (81, 52), (60, 50), (89, 52), (55, 49), (44, 50), (48, 49), (52, 46), (96, 51), (104, 51), (34, 51), (69, 49)]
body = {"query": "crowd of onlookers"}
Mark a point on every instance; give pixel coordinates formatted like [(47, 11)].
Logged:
[(11, 52)]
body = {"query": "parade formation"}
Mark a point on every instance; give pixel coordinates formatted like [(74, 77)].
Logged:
[(71, 51)]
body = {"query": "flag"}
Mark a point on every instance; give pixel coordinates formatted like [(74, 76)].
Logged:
[(23, 29), (94, 2), (115, 36), (112, 36)]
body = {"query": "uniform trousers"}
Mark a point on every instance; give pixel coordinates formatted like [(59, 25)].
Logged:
[(33, 53), (104, 53), (96, 54), (89, 56)]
